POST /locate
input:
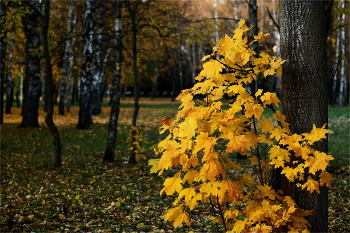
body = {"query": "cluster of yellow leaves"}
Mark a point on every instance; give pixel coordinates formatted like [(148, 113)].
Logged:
[(203, 136)]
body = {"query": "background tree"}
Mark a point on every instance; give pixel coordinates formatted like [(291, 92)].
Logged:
[(50, 86), (67, 58), (32, 83), (2, 59), (85, 115), (305, 88), (9, 79), (114, 115)]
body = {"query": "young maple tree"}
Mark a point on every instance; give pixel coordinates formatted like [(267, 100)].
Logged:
[(204, 134)]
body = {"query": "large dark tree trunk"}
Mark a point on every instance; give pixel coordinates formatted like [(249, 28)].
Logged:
[(113, 120), (50, 87), (305, 88), (85, 115), (2, 61), (31, 84)]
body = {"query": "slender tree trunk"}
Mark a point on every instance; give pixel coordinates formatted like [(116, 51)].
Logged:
[(180, 69), (113, 120), (132, 8), (67, 52), (342, 66), (155, 82), (2, 61), (85, 115), (9, 84), (32, 84), (305, 88), (97, 70), (70, 66), (49, 82)]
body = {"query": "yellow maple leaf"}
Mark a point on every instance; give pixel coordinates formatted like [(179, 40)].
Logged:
[(253, 109), (211, 69), (187, 128), (319, 162), (316, 134), (211, 169), (270, 98), (190, 176), (207, 143), (293, 173), (237, 143), (276, 152), (266, 125), (325, 178), (281, 118), (177, 216), (187, 193), (172, 184), (230, 190), (267, 191), (154, 163), (311, 185), (239, 226)]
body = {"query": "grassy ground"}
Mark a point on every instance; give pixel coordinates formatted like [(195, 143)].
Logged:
[(85, 195)]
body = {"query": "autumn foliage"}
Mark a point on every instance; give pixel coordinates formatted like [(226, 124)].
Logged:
[(203, 136)]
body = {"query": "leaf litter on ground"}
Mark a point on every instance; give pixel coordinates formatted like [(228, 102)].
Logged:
[(87, 196)]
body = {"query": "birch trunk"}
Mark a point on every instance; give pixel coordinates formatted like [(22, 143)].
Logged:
[(85, 115), (113, 120), (305, 89), (342, 65)]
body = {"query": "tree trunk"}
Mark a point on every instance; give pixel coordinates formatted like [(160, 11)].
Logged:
[(132, 12), (66, 57), (50, 86), (9, 84), (2, 61), (97, 70), (342, 66), (32, 84), (305, 88), (69, 89), (113, 120), (85, 115)]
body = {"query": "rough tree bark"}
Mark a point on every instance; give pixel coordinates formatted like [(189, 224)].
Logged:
[(305, 88), (85, 115), (113, 120), (50, 87), (31, 83)]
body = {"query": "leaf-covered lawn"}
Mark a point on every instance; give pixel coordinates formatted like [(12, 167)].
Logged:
[(87, 196)]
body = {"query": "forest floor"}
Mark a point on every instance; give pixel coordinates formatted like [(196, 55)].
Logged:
[(85, 195)]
